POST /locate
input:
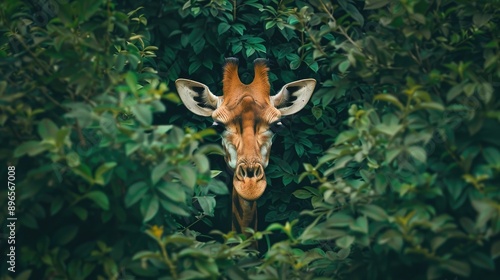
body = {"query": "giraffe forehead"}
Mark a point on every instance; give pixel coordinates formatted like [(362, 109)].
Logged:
[(246, 108)]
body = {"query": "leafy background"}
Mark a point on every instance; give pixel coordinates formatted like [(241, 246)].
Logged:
[(390, 172)]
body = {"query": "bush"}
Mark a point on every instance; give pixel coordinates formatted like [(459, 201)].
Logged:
[(399, 143)]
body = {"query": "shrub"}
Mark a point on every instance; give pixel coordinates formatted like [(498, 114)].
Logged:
[(116, 180)]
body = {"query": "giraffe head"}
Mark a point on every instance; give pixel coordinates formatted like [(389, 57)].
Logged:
[(249, 116)]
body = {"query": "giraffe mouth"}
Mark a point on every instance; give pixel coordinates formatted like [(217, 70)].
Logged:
[(249, 181)]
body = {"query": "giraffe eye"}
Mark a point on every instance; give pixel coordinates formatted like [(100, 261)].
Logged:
[(276, 126), (218, 127)]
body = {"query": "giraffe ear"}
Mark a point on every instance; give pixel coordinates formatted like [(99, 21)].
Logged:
[(197, 97), (293, 96)]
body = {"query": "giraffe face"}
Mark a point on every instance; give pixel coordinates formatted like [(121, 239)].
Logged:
[(248, 116)]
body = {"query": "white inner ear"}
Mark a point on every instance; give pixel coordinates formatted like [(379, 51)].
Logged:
[(302, 94), (186, 91)]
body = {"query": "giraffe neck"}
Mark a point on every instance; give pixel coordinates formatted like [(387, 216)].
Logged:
[(244, 213)]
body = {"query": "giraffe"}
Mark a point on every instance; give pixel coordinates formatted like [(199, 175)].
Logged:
[(249, 117)]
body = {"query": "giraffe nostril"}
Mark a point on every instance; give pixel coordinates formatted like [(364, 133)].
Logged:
[(244, 171), (259, 172), (240, 172)]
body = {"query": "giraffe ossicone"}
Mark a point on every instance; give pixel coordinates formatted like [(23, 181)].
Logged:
[(248, 115)]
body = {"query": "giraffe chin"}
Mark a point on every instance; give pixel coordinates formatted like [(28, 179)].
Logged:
[(250, 188)]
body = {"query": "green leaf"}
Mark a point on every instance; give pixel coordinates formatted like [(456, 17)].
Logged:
[(392, 239), (495, 250), (345, 241), (81, 212), (390, 155), (346, 136), (375, 4), (56, 205), (389, 98), (481, 19), (317, 112), (418, 153), (149, 208), (131, 80), (222, 28), (99, 179), (173, 208), (389, 129), (207, 204), (201, 162), (458, 267), (492, 156), (270, 24), (340, 220), (482, 260), (25, 275), (188, 176), (343, 253), (454, 92), (143, 114), (99, 198), (239, 28), (374, 212), (344, 65), (173, 191), (217, 187), (302, 194), (430, 105), (130, 148), (214, 173), (47, 129), (360, 225), (147, 254), (135, 193), (32, 148), (65, 234), (84, 171), (158, 172)]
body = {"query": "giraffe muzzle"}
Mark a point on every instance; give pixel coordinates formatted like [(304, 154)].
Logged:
[(249, 180)]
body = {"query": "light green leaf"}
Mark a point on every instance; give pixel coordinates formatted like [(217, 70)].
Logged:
[(187, 176), (345, 241), (142, 113), (32, 148), (344, 65), (214, 173), (47, 129), (131, 80), (389, 98), (302, 194), (158, 172), (99, 179), (149, 208), (360, 225), (173, 191), (346, 136), (135, 193), (374, 212), (207, 204), (430, 105), (375, 4), (222, 28), (173, 208), (418, 153)]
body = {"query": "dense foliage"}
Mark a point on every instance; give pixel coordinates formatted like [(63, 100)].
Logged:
[(391, 171)]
